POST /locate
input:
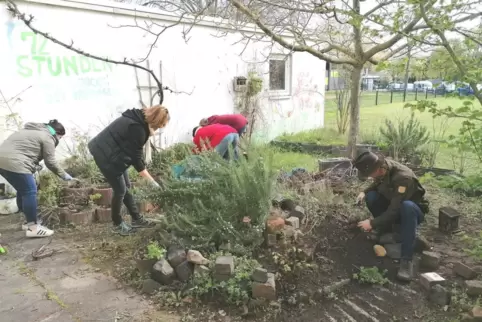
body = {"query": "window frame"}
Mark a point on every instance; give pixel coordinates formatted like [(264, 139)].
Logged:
[(284, 93)]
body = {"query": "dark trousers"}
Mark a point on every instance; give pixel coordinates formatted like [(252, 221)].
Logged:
[(410, 216), (26, 188), (120, 194)]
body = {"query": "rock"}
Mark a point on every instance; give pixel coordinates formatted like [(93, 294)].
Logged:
[(298, 235), (389, 238), (465, 271), (428, 280), (476, 313), (335, 286), (303, 297), (421, 244), (287, 205), (260, 275), (221, 277), (439, 295), (265, 290), (176, 255), (163, 272), (430, 260), (448, 219), (394, 251), (224, 265), (298, 212), (150, 286), (275, 224), (293, 222), (379, 251), (196, 257), (184, 271), (271, 240), (200, 270), (306, 253), (474, 287), (288, 232)]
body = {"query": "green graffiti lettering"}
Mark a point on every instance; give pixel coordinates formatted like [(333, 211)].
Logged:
[(109, 66), (85, 64), (23, 69), (39, 60), (33, 46), (58, 66), (95, 65), (43, 44), (70, 64)]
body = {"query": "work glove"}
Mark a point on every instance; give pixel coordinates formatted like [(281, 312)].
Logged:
[(67, 177), (360, 199)]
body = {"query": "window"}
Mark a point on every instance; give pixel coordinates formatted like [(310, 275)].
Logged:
[(280, 75)]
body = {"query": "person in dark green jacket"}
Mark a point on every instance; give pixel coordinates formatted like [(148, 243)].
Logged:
[(20, 155), (395, 196)]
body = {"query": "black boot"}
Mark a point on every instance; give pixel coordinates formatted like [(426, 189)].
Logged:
[(405, 273)]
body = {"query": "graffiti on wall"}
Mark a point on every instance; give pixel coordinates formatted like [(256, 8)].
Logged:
[(306, 93)]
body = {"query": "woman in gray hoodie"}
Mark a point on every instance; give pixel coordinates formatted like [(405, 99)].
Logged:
[(20, 155)]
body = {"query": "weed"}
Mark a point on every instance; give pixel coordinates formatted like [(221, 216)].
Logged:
[(154, 251), (371, 275)]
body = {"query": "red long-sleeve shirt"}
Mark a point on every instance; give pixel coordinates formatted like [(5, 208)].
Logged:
[(236, 121), (210, 136)]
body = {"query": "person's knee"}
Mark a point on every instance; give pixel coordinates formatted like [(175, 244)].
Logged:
[(409, 209), (371, 197), (119, 192)]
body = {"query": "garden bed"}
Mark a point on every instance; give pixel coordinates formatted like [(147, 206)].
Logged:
[(310, 148)]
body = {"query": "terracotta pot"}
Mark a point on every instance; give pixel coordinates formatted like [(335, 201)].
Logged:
[(75, 196), (106, 196), (143, 265), (78, 218), (275, 224), (103, 215)]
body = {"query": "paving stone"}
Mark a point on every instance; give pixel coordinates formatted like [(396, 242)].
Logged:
[(196, 257), (476, 313), (260, 275), (224, 265), (428, 280), (465, 271), (474, 287), (150, 286), (430, 260), (176, 255), (293, 222), (184, 271), (265, 290), (163, 272), (439, 295), (394, 251)]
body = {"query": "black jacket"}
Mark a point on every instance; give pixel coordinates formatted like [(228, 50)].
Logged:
[(121, 143)]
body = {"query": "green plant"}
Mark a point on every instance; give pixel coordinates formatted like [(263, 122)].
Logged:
[(405, 138), (155, 251), (213, 196), (162, 161), (49, 192), (371, 275), (255, 84), (95, 196)]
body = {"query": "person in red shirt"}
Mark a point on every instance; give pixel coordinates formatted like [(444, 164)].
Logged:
[(236, 121), (218, 137)]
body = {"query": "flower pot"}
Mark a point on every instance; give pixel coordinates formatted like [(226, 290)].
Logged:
[(144, 265), (105, 196), (8, 205), (85, 217), (103, 215)]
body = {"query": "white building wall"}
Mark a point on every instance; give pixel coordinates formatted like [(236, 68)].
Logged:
[(53, 82)]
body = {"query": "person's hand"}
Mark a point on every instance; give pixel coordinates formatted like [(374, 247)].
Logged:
[(365, 225), (360, 198)]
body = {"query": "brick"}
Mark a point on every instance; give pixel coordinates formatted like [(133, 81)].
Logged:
[(476, 313), (176, 255), (430, 260), (474, 287), (265, 290), (163, 272), (293, 222), (448, 219), (271, 240), (439, 295), (184, 271), (260, 275), (428, 280), (465, 271), (224, 265)]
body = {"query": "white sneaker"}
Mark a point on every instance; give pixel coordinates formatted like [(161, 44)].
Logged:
[(39, 231), (25, 224)]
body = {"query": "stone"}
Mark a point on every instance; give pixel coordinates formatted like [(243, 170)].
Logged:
[(265, 290), (476, 313), (389, 238), (474, 287), (394, 251), (163, 272), (184, 271), (260, 275), (287, 205), (176, 255), (306, 253), (196, 257), (224, 265), (335, 286), (271, 240), (421, 244), (448, 219), (298, 212), (465, 271), (430, 260), (439, 295), (466, 317), (293, 222), (428, 280), (225, 246), (221, 277), (288, 232), (150, 286), (200, 270)]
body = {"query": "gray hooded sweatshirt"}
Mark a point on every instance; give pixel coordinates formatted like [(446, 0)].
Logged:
[(22, 151)]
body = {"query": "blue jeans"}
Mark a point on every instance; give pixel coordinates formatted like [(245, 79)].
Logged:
[(410, 216), (230, 140), (26, 188)]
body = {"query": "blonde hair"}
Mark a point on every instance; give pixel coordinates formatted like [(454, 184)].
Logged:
[(156, 116)]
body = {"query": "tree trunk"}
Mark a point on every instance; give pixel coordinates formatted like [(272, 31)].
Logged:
[(407, 70), (354, 111)]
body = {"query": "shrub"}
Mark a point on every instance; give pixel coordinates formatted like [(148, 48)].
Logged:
[(162, 161), (210, 204)]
